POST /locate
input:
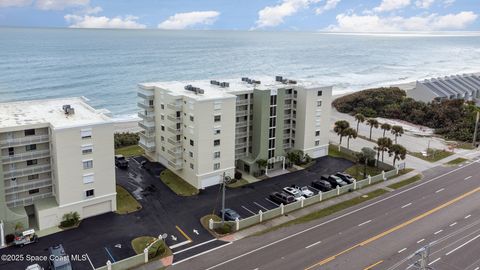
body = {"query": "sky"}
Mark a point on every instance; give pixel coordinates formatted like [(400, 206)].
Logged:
[(270, 15)]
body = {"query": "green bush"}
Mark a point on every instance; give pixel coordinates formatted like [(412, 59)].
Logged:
[(125, 139), (225, 229), (157, 249), (70, 219)]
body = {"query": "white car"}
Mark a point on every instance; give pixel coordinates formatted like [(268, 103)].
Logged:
[(294, 192), (34, 267), (306, 192)]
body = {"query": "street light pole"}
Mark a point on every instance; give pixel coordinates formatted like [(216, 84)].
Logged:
[(476, 129), (225, 180)]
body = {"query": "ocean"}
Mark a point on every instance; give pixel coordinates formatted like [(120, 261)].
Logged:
[(106, 65)]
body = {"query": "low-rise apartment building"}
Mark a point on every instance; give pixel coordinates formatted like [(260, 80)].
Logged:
[(201, 129), (56, 158)]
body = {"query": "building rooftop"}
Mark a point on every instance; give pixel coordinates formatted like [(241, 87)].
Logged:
[(235, 86), (31, 112), (453, 86)]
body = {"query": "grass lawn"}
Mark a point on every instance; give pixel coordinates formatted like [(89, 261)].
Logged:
[(456, 161), (177, 184), (128, 151), (333, 152), (126, 203), (159, 249), (433, 155), (465, 145), (357, 171), (239, 183), (140, 243), (406, 182)]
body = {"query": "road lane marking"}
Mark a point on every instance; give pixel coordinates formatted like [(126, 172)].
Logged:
[(109, 254), (88, 257), (440, 190), (396, 228), (406, 205), (462, 245), (402, 250), (421, 240), (184, 234), (477, 268), (373, 265), (468, 216), (434, 261), (453, 224), (202, 253), (272, 201), (179, 244), (437, 232), (197, 245), (466, 178), (314, 244), (253, 213), (261, 206), (366, 222)]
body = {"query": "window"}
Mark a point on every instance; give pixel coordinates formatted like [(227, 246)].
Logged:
[(192, 143), (163, 148), (273, 122), (289, 91), (271, 143), (162, 106), (191, 118), (216, 154), (273, 100), (216, 166), (87, 164), (32, 162), (87, 149), (162, 117), (191, 166), (33, 177), (162, 128), (273, 111), (31, 147), (217, 118), (271, 133), (86, 133), (191, 154), (89, 193), (162, 138), (88, 178), (319, 103), (317, 143), (29, 132), (319, 93), (216, 142), (150, 103), (216, 131), (11, 151), (271, 153), (317, 133), (33, 191)]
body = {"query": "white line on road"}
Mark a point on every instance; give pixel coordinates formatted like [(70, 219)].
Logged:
[(402, 250), (202, 253), (453, 224), (476, 268), (440, 190), (434, 261), (272, 202), (180, 244), (468, 216), (316, 243), (406, 205), (261, 206), (437, 232), (88, 257), (253, 213), (197, 245), (466, 178), (361, 224), (421, 240), (462, 245)]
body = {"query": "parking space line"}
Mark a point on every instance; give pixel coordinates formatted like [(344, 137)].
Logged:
[(261, 206), (109, 254), (180, 244), (271, 201), (183, 233), (198, 245), (253, 213), (88, 257)]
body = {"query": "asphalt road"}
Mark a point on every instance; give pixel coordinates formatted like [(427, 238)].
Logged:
[(375, 234)]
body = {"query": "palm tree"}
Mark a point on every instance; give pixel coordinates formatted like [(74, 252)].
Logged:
[(350, 133), (373, 123), (360, 119), (340, 127), (386, 127), (384, 144), (261, 163), (366, 154), (399, 152), (397, 131)]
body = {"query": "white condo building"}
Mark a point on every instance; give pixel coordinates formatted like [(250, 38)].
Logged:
[(56, 157), (200, 129)]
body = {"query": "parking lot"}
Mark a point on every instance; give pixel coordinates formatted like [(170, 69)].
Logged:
[(108, 236)]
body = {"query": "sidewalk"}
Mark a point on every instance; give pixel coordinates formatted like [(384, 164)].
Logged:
[(316, 207)]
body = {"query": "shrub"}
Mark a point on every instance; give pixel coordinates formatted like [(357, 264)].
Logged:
[(125, 139), (238, 175), (9, 238), (70, 219), (19, 227), (157, 249), (225, 229)]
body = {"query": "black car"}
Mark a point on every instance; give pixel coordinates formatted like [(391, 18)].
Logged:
[(336, 181), (230, 214), (346, 177), (281, 197), (322, 185), (121, 162)]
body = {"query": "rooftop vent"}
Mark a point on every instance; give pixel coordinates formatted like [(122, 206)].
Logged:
[(278, 78), (214, 82), (250, 81), (284, 80), (68, 110), (194, 89), (224, 84)]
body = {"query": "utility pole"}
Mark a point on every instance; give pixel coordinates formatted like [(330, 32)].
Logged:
[(421, 259), (225, 180), (476, 129)]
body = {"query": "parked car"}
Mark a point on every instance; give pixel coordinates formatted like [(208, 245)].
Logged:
[(346, 177), (34, 267), (297, 194), (58, 259), (336, 181), (25, 238), (121, 162), (306, 192), (281, 197), (322, 185), (230, 214)]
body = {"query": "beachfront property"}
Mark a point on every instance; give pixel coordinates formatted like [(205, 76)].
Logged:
[(202, 129), (465, 86), (56, 158)]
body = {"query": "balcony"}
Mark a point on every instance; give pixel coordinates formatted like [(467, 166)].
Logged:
[(242, 113), (286, 146), (174, 118), (173, 141), (11, 189), (147, 146), (26, 156), (27, 171), (288, 96), (174, 130), (36, 139), (146, 94), (287, 126), (146, 117), (241, 124), (242, 102), (287, 106), (177, 106), (147, 126), (240, 145), (27, 201), (241, 134), (286, 135), (177, 165), (145, 106), (176, 152), (147, 137)]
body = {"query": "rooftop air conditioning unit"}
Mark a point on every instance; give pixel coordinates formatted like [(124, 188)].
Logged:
[(278, 78), (244, 79), (67, 109)]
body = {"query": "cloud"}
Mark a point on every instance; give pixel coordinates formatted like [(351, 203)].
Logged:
[(448, 3), (389, 5), (60, 4), (424, 3), (330, 4), (88, 21), (15, 3), (428, 22), (188, 19), (274, 15)]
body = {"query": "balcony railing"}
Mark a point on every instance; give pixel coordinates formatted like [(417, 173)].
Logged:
[(27, 186), (240, 145), (146, 94), (145, 105), (148, 146), (241, 124), (286, 135), (287, 126), (147, 117), (27, 171), (27, 201), (242, 113), (173, 141), (287, 145), (25, 141), (175, 106), (177, 165), (26, 156), (242, 102), (288, 96), (174, 118), (175, 130), (146, 125), (175, 152), (287, 106), (146, 138), (241, 134)]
